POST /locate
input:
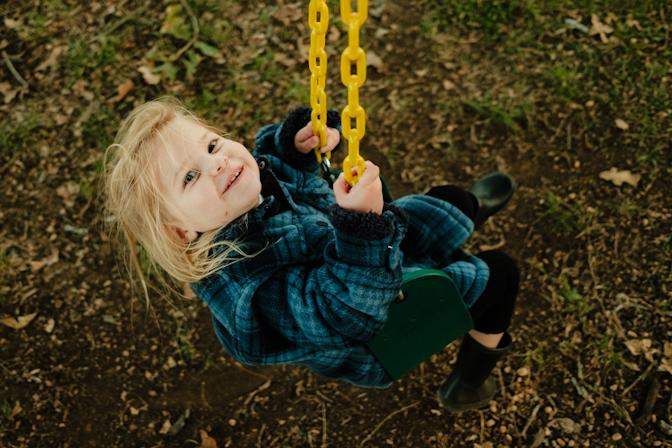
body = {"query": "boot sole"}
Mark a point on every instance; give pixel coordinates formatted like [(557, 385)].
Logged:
[(456, 408)]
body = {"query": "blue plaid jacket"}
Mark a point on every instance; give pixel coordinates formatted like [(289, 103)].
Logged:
[(321, 285)]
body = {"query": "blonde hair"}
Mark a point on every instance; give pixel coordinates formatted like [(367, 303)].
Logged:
[(138, 212)]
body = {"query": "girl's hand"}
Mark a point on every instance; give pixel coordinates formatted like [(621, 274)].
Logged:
[(366, 196), (305, 140)]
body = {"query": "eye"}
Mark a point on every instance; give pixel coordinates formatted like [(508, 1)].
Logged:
[(212, 146), (190, 177)]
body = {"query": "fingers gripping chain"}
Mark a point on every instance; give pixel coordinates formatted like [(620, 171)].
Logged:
[(353, 76), (353, 57), (318, 20)]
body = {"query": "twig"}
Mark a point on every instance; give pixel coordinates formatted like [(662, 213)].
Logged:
[(649, 401), (261, 432), (252, 394), (379, 425), (194, 37), (11, 68), (639, 378), (530, 420), (324, 425), (482, 433)]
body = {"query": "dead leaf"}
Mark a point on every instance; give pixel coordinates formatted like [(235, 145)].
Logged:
[(8, 92), (18, 323), (641, 347), (13, 24), (67, 192), (333, 35), (52, 59), (567, 425), (207, 441), (288, 14), (283, 59), (600, 28), (123, 90), (165, 427), (621, 124), (373, 60), (49, 327), (51, 259), (149, 76), (448, 85), (80, 88), (16, 410), (619, 177), (632, 23)]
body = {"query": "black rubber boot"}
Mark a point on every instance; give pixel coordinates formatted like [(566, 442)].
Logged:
[(470, 385), (492, 192)]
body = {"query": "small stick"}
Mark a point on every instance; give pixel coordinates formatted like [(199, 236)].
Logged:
[(649, 401), (531, 419), (379, 425), (324, 425), (639, 378), (10, 66)]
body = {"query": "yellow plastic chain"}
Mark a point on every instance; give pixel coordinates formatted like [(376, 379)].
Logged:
[(353, 54), (318, 20)]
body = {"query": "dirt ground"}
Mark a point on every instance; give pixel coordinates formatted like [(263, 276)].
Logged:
[(556, 96)]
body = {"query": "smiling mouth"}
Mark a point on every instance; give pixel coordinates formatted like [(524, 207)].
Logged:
[(233, 179)]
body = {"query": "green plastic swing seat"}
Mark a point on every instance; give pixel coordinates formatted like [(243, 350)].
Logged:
[(427, 317)]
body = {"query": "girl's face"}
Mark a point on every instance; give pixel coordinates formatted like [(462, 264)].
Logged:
[(208, 180)]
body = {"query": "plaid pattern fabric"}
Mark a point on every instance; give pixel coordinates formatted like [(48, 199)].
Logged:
[(321, 285)]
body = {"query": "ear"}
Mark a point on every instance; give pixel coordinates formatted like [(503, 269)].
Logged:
[(186, 236)]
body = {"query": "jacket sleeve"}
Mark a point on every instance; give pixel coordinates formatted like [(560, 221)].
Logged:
[(278, 139), (339, 302)]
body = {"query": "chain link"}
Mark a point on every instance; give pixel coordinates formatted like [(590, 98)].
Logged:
[(353, 56), (318, 20)]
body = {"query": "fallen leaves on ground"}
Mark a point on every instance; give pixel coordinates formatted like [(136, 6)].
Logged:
[(618, 178), (19, 322)]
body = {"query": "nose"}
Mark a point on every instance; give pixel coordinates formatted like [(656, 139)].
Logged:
[(218, 163)]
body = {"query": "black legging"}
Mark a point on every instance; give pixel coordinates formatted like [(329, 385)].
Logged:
[(493, 309)]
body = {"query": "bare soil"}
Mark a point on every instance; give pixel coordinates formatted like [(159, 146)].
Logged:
[(95, 367)]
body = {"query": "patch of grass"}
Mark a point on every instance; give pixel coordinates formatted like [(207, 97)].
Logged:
[(564, 81), (268, 69), (493, 18), (562, 216), (18, 132), (97, 131), (298, 91), (573, 301), (5, 414), (185, 348), (535, 358), (609, 357), (205, 104), (510, 116), (628, 208), (83, 57)]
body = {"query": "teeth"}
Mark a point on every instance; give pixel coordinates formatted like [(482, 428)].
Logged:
[(234, 178)]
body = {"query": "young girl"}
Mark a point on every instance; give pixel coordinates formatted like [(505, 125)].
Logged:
[(292, 271)]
